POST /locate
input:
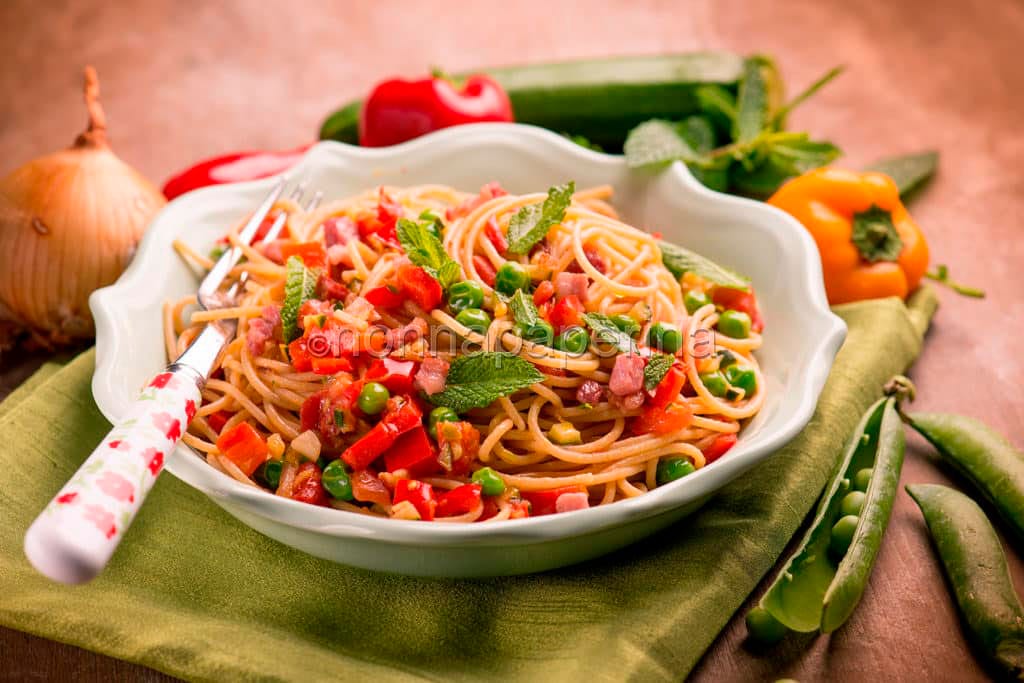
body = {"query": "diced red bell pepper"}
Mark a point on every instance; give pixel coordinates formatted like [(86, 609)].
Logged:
[(545, 290), (496, 237), (667, 419), (299, 354), (396, 375), (420, 286), (485, 269), (385, 296), (314, 307), (244, 446), (739, 300), (520, 510), (459, 444), (419, 494), (400, 416), (719, 447), (566, 313), (368, 488), (543, 502), (414, 452), (459, 501), (331, 366), (311, 253), (217, 420), (669, 387), (308, 486)]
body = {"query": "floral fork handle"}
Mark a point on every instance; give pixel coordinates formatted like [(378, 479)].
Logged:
[(74, 537)]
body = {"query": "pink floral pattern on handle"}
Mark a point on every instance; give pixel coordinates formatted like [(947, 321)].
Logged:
[(76, 534)]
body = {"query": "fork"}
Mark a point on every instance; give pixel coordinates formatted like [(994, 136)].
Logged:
[(74, 537)]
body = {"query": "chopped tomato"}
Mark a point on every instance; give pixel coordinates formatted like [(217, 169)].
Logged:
[(669, 387), (545, 290), (459, 501), (543, 502), (368, 488), (389, 210), (739, 300), (308, 486), (419, 494), (667, 419), (485, 269), (490, 508), (460, 443), (314, 307), (331, 366), (520, 509), (413, 451), (493, 233), (244, 446), (719, 447), (331, 411), (568, 312), (330, 289), (420, 286), (383, 223), (218, 420), (299, 355), (396, 375), (400, 416), (268, 222), (310, 253), (385, 296)]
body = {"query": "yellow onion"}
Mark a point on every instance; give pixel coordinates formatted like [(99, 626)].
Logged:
[(69, 224)]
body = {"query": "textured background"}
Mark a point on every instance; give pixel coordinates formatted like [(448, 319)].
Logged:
[(184, 80)]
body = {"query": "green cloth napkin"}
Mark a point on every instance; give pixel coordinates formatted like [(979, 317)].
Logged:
[(196, 594)]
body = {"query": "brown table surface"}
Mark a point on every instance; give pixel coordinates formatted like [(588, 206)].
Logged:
[(183, 81)]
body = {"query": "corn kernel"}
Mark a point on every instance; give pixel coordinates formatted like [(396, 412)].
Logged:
[(565, 434)]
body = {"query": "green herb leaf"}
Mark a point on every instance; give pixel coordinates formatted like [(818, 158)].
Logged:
[(523, 308), (875, 236), (657, 367), (582, 141), (606, 331), (425, 250), (531, 223), (909, 171), (299, 287), (698, 133), (781, 157), (804, 155), (717, 102), (751, 104), (449, 274), (680, 261), (479, 379), (655, 142), (810, 91)]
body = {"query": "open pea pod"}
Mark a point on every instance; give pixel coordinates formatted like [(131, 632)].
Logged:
[(823, 581)]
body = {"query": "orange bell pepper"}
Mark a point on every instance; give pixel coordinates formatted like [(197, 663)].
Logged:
[(870, 246)]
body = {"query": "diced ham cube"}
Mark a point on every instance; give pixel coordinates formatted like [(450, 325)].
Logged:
[(432, 375), (567, 284), (627, 375), (567, 502), (590, 392)]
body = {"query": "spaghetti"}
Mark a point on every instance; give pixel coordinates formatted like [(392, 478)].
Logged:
[(338, 388)]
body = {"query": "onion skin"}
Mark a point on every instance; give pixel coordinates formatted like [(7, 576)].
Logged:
[(69, 224)]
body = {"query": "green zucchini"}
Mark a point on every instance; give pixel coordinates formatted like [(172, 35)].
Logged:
[(599, 99)]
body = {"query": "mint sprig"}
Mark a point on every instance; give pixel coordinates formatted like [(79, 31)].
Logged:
[(479, 379), (523, 309), (531, 223), (425, 250), (299, 287), (606, 331), (657, 367), (680, 261)]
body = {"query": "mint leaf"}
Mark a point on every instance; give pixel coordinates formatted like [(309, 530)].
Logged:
[(804, 155), (606, 331), (523, 308), (875, 236), (479, 379), (425, 250), (531, 223), (657, 367), (655, 142), (299, 287), (909, 171), (584, 142), (698, 133), (718, 102), (680, 261), (751, 104), (810, 91)]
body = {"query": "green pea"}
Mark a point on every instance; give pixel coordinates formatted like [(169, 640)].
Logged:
[(440, 414), (539, 332), (490, 482), (475, 319), (734, 324), (742, 379), (574, 340), (694, 300), (842, 534), (671, 469), (763, 627), (715, 383), (852, 503), (665, 337), (373, 398), (511, 277), (626, 323), (466, 294), (862, 479), (336, 481), (269, 474)]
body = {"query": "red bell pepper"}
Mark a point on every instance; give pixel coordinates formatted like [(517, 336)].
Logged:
[(459, 443), (385, 296), (308, 486), (419, 494), (330, 366), (496, 237), (739, 300), (312, 254), (398, 110), (520, 509), (719, 447), (661, 420), (485, 269), (459, 501), (368, 488), (400, 416), (232, 168), (566, 313), (243, 446), (396, 375), (545, 290), (414, 452), (669, 387), (217, 420), (420, 286), (299, 354), (543, 502)]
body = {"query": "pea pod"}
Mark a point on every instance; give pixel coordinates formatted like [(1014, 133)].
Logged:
[(981, 455), (976, 567), (816, 589)]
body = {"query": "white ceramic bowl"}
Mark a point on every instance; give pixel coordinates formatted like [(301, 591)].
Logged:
[(800, 342)]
